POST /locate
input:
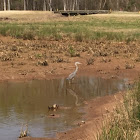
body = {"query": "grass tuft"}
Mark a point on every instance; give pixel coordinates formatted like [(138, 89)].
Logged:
[(28, 35)]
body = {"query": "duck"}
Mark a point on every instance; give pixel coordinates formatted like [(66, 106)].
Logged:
[(53, 107)]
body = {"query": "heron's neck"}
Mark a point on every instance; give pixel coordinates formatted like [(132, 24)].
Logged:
[(76, 68)]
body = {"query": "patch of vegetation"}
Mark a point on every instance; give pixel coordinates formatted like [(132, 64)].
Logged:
[(71, 51), (38, 56), (82, 29), (90, 61), (28, 35), (124, 122), (79, 37), (57, 37)]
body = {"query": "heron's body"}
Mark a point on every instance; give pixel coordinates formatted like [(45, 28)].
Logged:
[(72, 75)]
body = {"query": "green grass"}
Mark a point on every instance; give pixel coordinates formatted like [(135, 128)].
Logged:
[(89, 28), (124, 122)]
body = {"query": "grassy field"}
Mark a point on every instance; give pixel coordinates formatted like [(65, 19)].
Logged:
[(40, 25)]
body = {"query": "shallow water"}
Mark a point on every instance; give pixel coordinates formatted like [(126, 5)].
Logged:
[(27, 103)]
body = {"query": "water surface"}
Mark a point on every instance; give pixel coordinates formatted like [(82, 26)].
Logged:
[(27, 102)]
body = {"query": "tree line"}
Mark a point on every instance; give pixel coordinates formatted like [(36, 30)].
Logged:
[(54, 5)]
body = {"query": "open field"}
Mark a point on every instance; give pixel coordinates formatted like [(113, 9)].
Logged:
[(80, 28), (43, 45)]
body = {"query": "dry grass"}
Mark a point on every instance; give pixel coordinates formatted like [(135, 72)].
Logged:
[(123, 123), (30, 16), (40, 16)]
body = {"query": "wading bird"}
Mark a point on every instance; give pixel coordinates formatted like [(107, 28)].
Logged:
[(72, 75)]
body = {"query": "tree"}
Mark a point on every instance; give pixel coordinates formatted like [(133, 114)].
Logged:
[(44, 5), (50, 5), (4, 5), (64, 5), (8, 4), (25, 5), (34, 3)]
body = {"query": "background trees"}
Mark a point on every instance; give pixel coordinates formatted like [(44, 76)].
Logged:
[(127, 5)]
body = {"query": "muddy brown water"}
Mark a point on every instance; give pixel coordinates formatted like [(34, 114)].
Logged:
[(27, 103)]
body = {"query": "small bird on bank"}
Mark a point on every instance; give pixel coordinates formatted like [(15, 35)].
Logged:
[(72, 75), (53, 107)]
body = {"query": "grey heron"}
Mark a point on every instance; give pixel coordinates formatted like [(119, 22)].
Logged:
[(72, 75)]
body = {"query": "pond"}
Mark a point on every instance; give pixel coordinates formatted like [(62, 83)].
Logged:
[(27, 103)]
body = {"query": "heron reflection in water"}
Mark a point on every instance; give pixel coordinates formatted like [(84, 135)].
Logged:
[(70, 78), (71, 91)]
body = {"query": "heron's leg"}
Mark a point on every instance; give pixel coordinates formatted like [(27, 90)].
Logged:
[(71, 81)]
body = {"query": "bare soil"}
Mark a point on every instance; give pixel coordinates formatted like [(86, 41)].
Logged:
[(43, 59)]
